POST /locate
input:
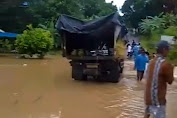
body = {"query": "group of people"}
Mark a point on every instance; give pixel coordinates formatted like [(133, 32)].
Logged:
[(134, 49), (140, 56), (158, 73)]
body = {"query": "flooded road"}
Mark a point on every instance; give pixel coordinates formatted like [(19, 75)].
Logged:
[(44, 89)]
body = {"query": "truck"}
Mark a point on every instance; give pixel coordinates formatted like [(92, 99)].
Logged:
[(90, 46)]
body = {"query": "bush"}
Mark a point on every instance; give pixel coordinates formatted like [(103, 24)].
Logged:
[(171, 31), (5, 45), (34, 41)]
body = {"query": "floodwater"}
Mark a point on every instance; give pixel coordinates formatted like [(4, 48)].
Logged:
[(44, 89)]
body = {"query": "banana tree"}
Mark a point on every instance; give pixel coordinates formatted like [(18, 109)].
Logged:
[(50, 26)]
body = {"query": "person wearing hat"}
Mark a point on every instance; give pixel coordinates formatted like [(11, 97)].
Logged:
[(158, 75)]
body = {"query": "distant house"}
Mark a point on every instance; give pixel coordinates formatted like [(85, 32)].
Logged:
[(169, 39), (25, 3)]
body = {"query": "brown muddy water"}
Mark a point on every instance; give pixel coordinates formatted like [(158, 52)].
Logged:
[(44, 89)]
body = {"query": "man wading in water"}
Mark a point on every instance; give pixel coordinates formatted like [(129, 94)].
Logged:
[(140, 64), (158, 75)]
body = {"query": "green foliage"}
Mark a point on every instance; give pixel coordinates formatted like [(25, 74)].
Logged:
[(51, 27), (136, 10), (173, 53), (15, 16), (152, 23), (171, 31), (160, 23), (34, 41), (5, 45), (96, 8), (155, 27), (149, 41), (44, 10), (170, 19)]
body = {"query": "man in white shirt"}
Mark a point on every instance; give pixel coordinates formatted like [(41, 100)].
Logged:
[(129, 50)]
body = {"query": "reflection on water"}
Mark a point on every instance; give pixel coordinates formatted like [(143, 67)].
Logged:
[(44, 89)]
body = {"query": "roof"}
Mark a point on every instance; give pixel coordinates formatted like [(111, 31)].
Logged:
[(8, 35), (1, 30)]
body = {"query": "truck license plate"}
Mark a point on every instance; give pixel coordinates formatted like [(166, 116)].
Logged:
[(92, 66)]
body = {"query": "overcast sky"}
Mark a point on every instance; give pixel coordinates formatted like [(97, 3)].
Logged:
[(118, 3)]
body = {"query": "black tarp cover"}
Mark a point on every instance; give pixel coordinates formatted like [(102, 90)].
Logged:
[(89, 34)]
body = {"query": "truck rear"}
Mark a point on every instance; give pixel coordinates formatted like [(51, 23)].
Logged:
[(90, 47)]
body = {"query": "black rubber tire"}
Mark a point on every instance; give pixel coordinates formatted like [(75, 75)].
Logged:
[(121, 70), (112, 72), (80, 76), (77, 72)]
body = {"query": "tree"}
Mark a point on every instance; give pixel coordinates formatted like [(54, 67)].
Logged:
[(45, 10), (97, 7), (136, 10), (50, 26), (158, 23), (15, 16)]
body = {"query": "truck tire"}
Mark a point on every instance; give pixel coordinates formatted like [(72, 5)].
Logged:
[(114, 76), (110, 72), (121, 65), (77, 72), (121, 70)]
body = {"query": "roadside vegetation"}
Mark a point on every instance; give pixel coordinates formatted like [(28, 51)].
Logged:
[(34, 41), (153, 27), (152, 18)]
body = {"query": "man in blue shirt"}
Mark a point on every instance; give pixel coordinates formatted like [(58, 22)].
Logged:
[(140, 64)]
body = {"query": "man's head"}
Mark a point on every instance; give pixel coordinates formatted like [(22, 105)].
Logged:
[(142, 51), (163, 48)]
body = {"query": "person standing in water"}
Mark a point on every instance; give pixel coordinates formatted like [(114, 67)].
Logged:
[(158, 75), (133, 43), (140, 64), (129, 51)]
